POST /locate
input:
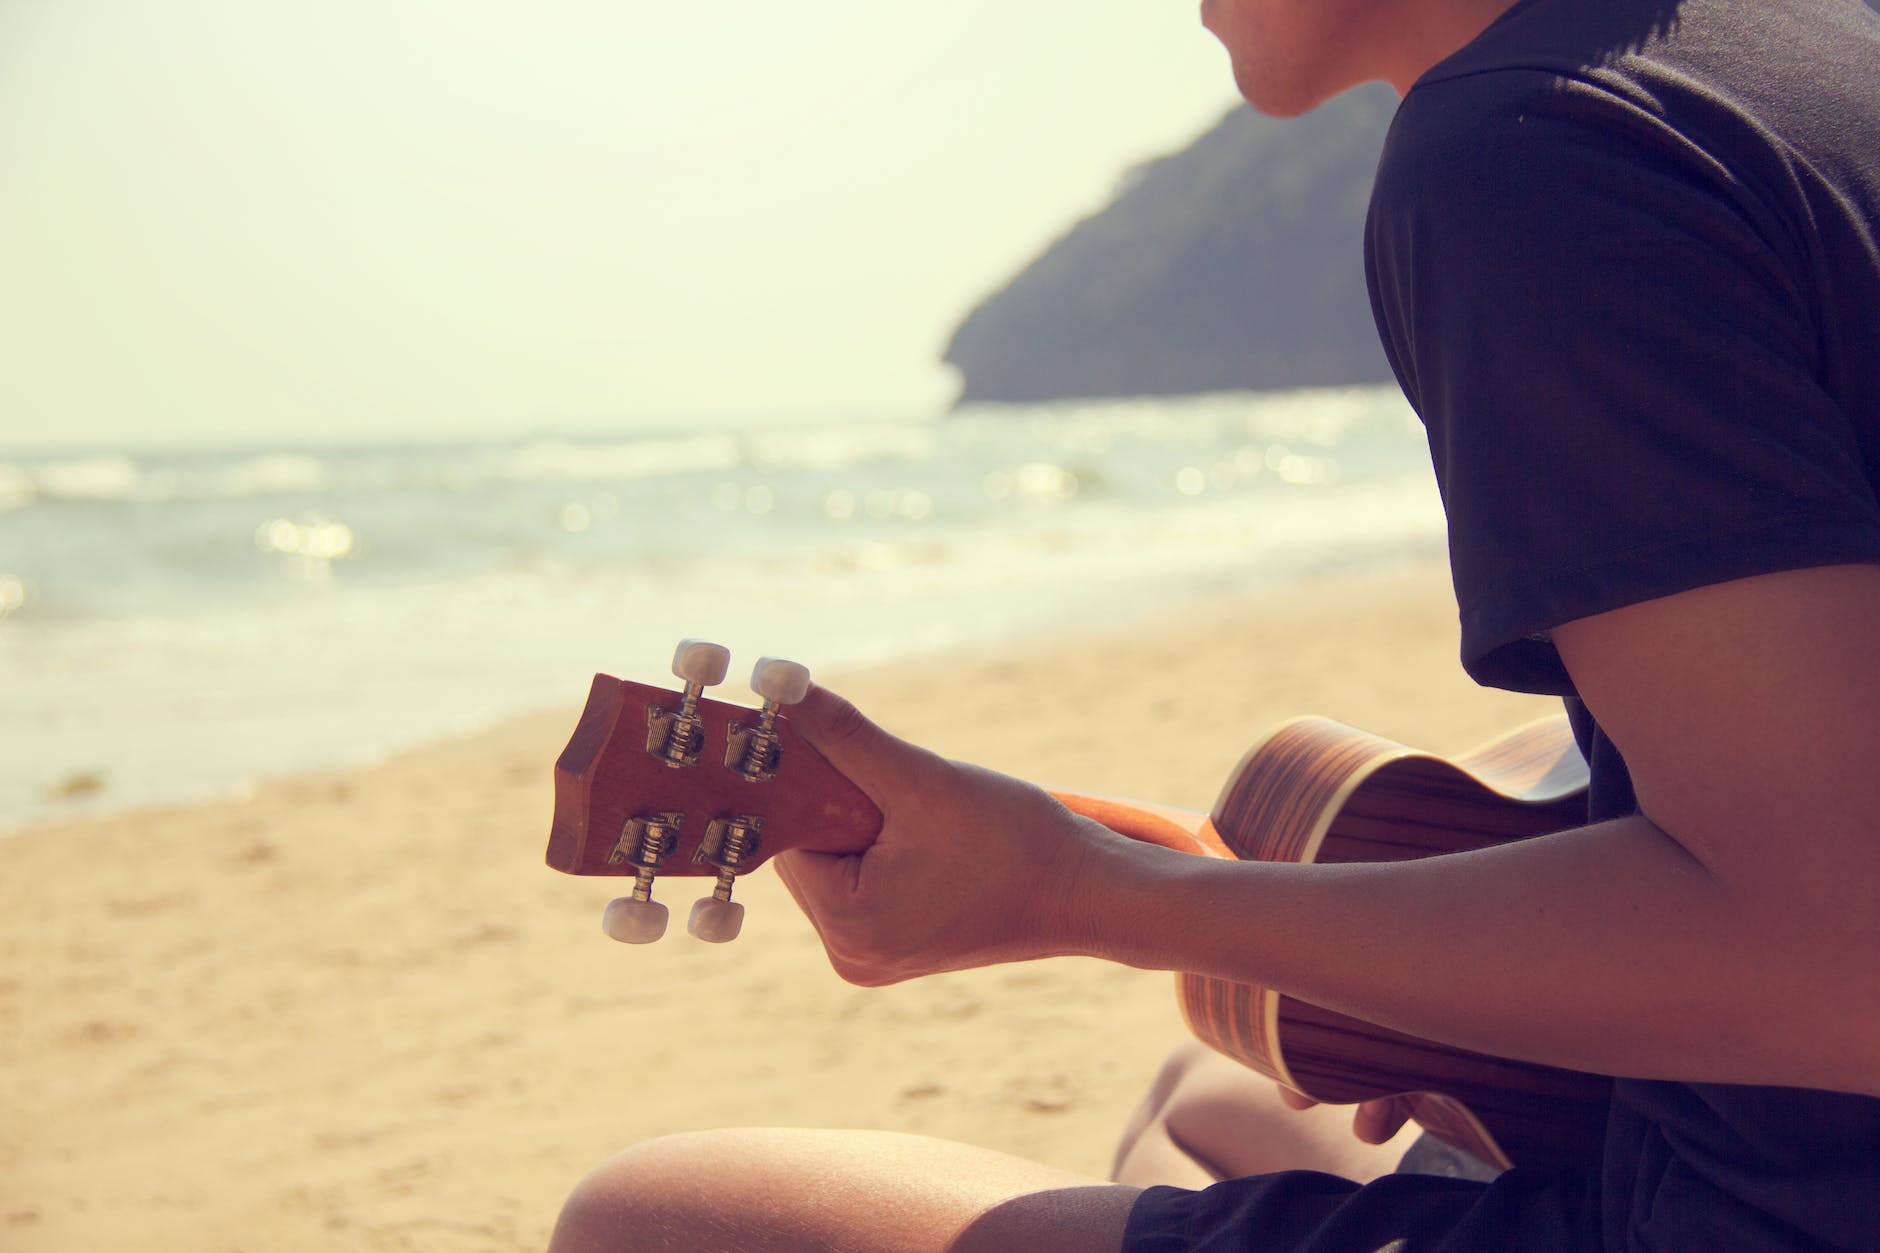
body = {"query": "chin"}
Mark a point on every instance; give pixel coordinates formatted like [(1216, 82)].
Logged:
[(1283, 106), (1283, 95), (1277, 98)]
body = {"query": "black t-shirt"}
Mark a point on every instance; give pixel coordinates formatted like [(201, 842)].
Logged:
[(1625, 258)]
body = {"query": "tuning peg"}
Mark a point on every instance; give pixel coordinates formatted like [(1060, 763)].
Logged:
[(645, 842), (634, 921), (716, 921), (678, 737), (752, 751), (730, 845), (700, 663), (780, 683)]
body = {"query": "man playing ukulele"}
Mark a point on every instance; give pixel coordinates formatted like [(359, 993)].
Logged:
[(1625, 259)]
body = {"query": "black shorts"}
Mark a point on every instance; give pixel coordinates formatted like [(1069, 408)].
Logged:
[(1303, 1211)]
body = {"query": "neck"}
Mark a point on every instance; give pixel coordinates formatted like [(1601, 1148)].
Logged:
[(1427, 33)]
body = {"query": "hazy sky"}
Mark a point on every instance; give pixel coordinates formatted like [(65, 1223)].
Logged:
[(278, 220)]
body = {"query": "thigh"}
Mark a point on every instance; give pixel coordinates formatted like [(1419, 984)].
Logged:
[(760, 1189)]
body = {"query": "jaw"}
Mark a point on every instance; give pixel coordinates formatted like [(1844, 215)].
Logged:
[(1281, 95), (1287, 87), (1290, 56)]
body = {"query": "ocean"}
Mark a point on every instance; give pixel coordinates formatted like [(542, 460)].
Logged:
[(177, 624)]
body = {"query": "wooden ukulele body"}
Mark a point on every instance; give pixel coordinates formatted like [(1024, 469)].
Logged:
[(1317, 791)]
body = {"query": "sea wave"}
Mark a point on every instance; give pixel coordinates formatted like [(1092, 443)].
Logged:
[(108, 477), (169, 620), (841, 447), (634, 459)]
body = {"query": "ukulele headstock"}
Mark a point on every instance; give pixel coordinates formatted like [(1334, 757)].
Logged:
[(656, 782)]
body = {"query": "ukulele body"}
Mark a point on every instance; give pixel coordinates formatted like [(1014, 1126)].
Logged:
[(1317, 791)]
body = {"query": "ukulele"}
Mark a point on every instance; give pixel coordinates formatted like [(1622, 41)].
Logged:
[(656, 783)]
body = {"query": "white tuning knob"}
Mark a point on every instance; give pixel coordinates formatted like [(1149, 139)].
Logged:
[(634, 921), (778, 681), (701, 663), (716, 921)]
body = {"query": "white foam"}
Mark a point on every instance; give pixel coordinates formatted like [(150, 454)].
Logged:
[(871, 545)]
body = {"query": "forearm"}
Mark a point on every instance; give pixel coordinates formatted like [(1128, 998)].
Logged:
[(1608, 948)]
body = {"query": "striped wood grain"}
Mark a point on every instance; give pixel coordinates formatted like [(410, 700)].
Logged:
[(1317, 791)]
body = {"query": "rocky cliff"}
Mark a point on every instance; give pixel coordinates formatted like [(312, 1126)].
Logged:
[(1236, 263)]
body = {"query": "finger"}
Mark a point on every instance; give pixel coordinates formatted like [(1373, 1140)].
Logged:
[(870, 757), (1377, 1121), (1295, 1100), (783, 864)]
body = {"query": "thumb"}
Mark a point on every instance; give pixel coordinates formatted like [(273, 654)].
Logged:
[(870, 757)]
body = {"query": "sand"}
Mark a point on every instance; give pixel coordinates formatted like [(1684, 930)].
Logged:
[(356, 1012)]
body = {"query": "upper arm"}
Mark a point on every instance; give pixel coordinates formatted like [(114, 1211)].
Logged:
[(1749, 715)]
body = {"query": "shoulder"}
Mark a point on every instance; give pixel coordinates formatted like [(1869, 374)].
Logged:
[(1635, 329), (1758, 100)]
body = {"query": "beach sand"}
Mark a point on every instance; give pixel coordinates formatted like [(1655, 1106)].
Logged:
[(356, 1012)]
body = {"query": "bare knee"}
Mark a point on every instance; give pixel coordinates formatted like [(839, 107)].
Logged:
[(1183, 1060), (1155, 1103), (598, 1214), (1152, 1148), (1207, 1118), (655, 1195), (775, 1190)]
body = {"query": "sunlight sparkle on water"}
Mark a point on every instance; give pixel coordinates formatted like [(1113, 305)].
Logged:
[(1034, 480), (839, 505), (317, 538), (310, 546), (756, 499)]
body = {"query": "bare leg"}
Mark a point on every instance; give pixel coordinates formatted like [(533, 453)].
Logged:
[(1207, 1118), (754, 1190)]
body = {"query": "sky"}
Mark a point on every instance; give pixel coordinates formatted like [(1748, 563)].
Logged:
[(281, 221)]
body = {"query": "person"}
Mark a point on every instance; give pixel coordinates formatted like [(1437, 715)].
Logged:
[(1625, 259)]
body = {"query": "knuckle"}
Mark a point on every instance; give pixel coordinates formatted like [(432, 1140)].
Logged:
[(859, 973), (865, 961), (847, 723)]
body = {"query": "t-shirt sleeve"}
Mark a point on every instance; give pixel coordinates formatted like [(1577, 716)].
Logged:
[(1615, 363)]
